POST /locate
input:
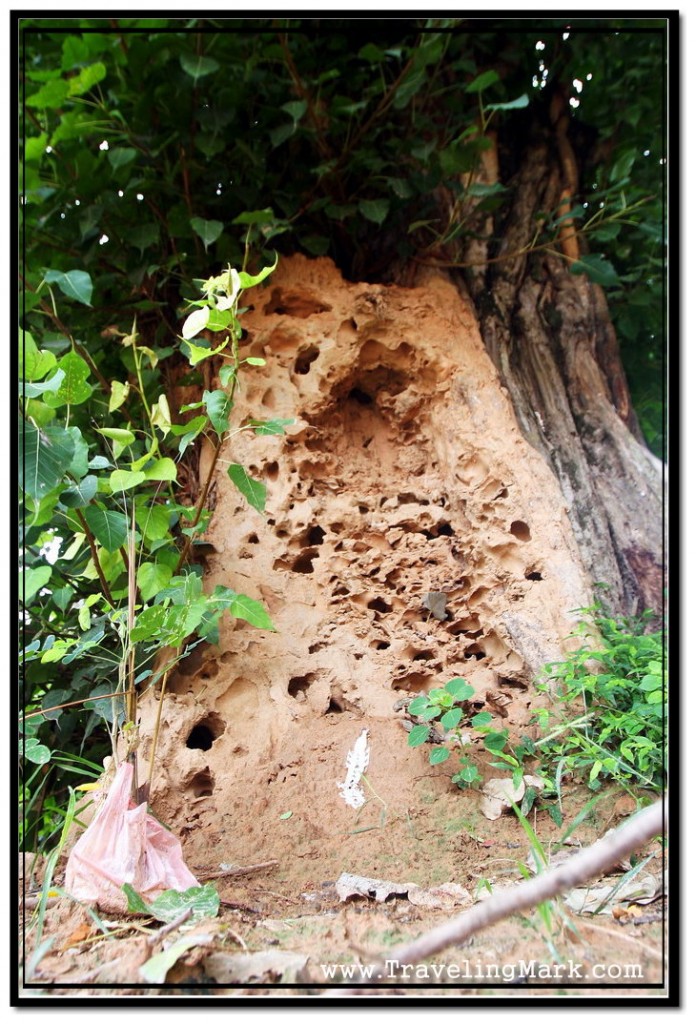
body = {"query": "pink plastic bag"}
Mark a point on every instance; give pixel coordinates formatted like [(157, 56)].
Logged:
[(124, 843)]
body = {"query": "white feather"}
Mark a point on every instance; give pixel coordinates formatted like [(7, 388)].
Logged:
[(356, 764)]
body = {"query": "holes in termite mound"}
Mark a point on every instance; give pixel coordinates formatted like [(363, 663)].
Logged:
[(515, 682), (200, 785), (338, 702), (443, 529), (271, 470), (413, 682), (299, 685), (205, 732), (380, 645), (377, 604), (252, 538), (313, 536), (520, 530), (533, 575), (294, 303), (305, 359), (407, 498), (361, 397), (474, 651), (303, 562), (195, 661), (469, 625)]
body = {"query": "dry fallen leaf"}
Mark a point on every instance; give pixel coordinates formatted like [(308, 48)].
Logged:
[(82, 932), (236, 968), (448, 894)]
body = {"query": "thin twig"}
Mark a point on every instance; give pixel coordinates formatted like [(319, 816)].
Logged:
[(231, 872), (95, 558), (587, 864)]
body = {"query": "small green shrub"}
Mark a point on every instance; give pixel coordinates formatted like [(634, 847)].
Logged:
[(608, 719), (444, 707)]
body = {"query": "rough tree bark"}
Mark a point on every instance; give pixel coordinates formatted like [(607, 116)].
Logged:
[(550, 335)]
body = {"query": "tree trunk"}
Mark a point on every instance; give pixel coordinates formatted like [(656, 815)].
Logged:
[(549, 333)]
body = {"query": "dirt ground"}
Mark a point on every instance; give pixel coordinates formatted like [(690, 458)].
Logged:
[(285, 925)]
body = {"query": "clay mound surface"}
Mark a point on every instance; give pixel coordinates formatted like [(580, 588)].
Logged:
[(410, 535)]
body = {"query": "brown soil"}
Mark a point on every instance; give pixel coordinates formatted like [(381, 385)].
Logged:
[(293, 908), (403, 474)]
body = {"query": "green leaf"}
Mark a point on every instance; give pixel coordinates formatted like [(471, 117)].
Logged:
[(197, 353), (623, 166), (120, 435), (142, 236), (418, 706), (598, 269), (265, 216), (74, 389), (119, 393), (253, 612), (33, 364), (218, 406), (152, 577), (110, 528), (408, 88), (198, 66), (153, 520), (438, 755), (35, 148), (483, 81), (62, 597), (481, 719), (50, 95), (518, 104), (162, 469), (46, 458), (36, 752), (208, 230), (120, 156), (374, 210), (317, 245), (281, 134), (34, 390), (86, 78), (76, 284), (265, 427), (158, 623), (81, 493), (125, 480), (459, 688), (418, 735), (219, 319), (253, 490), (296, 109), (251, 280), (33, 580), (480, 188), (451, 719), (495, 741), (371, 53)]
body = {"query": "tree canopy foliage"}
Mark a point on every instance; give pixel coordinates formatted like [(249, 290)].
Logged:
[(157, 151)]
